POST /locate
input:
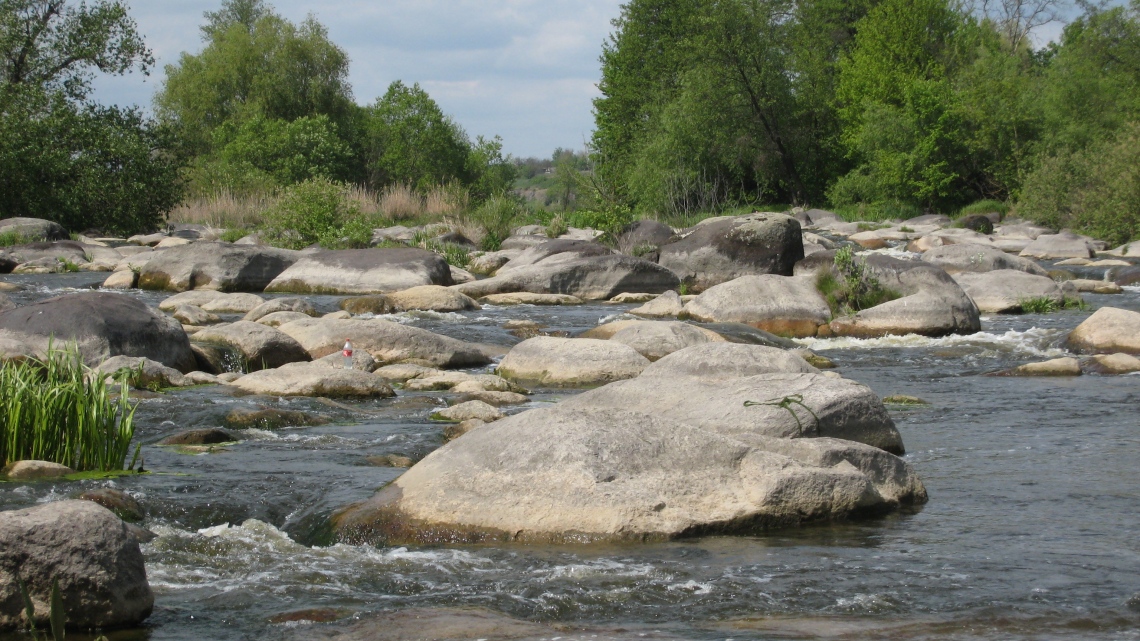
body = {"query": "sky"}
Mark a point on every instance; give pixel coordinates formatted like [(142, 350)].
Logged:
[(526, 70)]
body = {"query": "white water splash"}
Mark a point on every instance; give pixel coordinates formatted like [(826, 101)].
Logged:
[(1035, 341)]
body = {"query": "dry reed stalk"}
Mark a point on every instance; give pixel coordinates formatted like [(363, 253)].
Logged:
[(401, 202), (224, 210), (445, 201)]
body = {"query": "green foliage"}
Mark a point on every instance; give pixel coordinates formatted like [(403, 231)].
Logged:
[(488, 172), (1095, 191), (52, 410), (57, 615), (609, 219), (233, 235), (455, 255), (1048, 305), (9, 238), (412, 142), (496, 217), (985, 207), (849, 287), (57, 46), (874, 212), (317, 211), (255, 64)]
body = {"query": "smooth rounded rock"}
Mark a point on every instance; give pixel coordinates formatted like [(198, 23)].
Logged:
[(84, 547), (215, 266), (782, 305), (386, 341), (31, 470), (979, 258), (1108, 330), (302, 379), (545, 361), (657, 339), (363, 271), (722, 250), (469, 410), (260, 346), (1005, 290)]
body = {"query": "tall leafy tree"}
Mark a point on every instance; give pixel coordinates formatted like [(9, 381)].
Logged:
[(411, 141), (62, 157), (255, 63)]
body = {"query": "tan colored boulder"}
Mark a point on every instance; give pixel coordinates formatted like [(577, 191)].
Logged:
[(386, 341), (467, 411), (527, 298), (301, 379), (34, 470), (1112, 364), (1004, 290), (546, 361), (1067, 366), (667, 305), (432, 298), (1108, 330), (125, 279), (261, 346), (192, 315), (782, 305), (657, 339)]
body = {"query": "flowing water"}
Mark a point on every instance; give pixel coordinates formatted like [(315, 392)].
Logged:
[(1032, 530)]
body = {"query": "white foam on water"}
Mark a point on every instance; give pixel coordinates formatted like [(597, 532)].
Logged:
[(692, 586), (1034, 341), (610, 568)]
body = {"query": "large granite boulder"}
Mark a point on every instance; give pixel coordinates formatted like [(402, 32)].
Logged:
[(782, 305), (723, 249), (1124, 276), (584, 475), (1005, 290), (260, 346), (434, 298), (656, 339), (642, 234), (88, 550), (386, 341), (546, 361), (979, 258), (363, 271), (722, 361), (306, 379), (596, 275), (547, 248), (103, 325), (32, 229), (1109, 330), (824, 406), (930, 302), (1058, 246), (216, 266), (295, 305)]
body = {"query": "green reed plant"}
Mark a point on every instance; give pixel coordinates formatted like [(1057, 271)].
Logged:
[(56, 409)]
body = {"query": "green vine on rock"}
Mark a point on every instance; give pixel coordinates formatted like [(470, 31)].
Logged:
[(786, 403)]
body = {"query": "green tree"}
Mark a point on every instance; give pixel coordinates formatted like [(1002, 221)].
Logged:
[(412, 142), (54, 45), (65, 159), (488, 172), (255, 63), (104, 168)]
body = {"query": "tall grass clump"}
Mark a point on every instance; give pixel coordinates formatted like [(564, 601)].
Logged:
[(225, 209), (401, 202), (848, 287), (51, 410)]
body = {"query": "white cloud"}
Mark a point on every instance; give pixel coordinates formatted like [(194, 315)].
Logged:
[(523, 69)]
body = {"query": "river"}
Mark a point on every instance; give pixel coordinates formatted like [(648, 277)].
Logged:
[(1032, 530)]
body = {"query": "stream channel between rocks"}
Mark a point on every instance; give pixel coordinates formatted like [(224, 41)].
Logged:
[(1032, 530)]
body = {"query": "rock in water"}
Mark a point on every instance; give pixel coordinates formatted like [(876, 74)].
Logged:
[(579, 475), (1108, 330), (545, 361), (722, 249), (1004, 290), (363, 271), (261, 346), (33, 229), (657, 339), (1063, 245), (590, 277), (103, 325), (216, 266), (979, 258), (386, 341), (782, 305), (84, 546), (303, 379)]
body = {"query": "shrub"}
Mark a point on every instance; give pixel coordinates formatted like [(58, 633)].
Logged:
[(316, 211), (1095, 192), (610, 219), (985, 207), (496, 217), (1048, 305), (848, 287), (557, 226), (56, 410), (9, 238)]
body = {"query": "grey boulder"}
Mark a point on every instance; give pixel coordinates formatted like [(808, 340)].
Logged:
[(546, 361), (573, 475), (1109, 330), (215, 266), (363, 271), (386, 341), (723, 249), (88, 550), (1005, 290), (103, 325), (304, 379), (33, 229), (979, 258), (782, 305), (260, 346), (656, 339), (1056, 246)]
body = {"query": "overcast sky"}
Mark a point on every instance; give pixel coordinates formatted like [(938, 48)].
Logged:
[(526, 70)]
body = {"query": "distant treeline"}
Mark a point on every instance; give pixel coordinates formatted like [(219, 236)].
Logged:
[(880, 107)]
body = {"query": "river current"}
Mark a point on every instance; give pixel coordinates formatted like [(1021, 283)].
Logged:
[(1032, 530)]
